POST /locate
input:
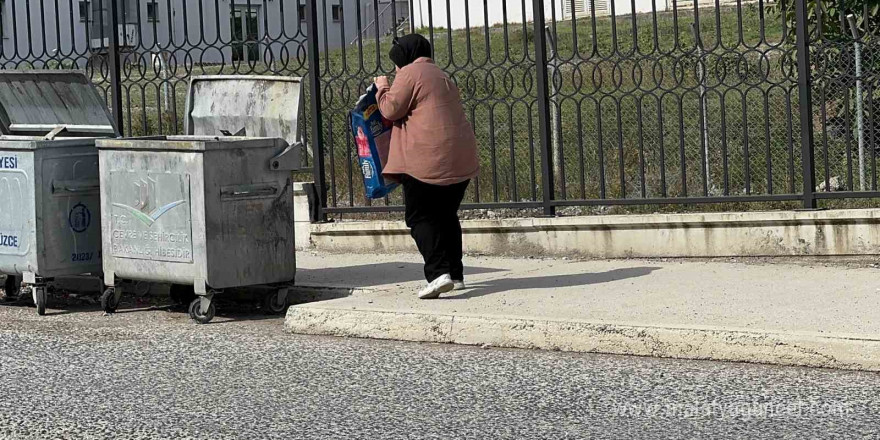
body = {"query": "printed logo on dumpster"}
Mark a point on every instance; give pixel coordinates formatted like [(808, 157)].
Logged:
[(79, 218), (151, 217), (143, 208)]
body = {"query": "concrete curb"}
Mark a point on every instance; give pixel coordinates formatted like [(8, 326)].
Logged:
[(302, 294), (851, 352)]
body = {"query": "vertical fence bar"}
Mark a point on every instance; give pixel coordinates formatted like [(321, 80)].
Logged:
[(542, 105), (805, 98), (115, 68), (313, 49), (555, 108)]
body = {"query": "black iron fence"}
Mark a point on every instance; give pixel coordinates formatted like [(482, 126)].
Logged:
[(574, 102)]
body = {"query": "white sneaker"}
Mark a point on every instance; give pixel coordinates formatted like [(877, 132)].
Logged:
[(459, 285), (442, 284)]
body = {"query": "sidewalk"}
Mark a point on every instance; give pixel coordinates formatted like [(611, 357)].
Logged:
[(774, 313)]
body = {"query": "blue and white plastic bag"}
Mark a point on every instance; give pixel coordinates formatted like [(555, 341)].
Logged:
[(372, 135)]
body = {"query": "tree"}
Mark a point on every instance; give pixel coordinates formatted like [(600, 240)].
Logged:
[(832, 14)]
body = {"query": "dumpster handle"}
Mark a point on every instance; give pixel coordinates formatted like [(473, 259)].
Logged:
[(242, 132), (261, 192), (75, 186), (57, 130), (288, 160), (253, 191)]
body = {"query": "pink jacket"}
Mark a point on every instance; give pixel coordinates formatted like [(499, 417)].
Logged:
[(432, 139)]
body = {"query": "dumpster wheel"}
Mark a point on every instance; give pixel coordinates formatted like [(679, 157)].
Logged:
[(275, 303), (40, 297), (195, 311), (110, 300)]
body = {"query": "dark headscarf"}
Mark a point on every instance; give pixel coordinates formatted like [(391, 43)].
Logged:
[(409, 48)]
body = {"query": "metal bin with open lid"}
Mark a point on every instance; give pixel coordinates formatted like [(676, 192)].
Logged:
[(49, 220), (212, 209)]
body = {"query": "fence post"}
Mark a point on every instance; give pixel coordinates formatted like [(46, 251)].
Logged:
[(543, 108), (555, 110), (317, 125), (115, 68), (412, 19), (805, 101)]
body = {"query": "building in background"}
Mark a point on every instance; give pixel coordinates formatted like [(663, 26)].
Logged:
[(462, 14), (70, 32)]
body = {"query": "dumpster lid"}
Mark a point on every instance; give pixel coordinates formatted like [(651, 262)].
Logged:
[(245, 105), (38, 102)]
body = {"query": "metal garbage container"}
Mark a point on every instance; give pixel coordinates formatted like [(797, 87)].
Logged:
[(49, 224), (209, 209)]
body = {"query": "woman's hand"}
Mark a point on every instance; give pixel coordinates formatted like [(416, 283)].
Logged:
[(382, 82)]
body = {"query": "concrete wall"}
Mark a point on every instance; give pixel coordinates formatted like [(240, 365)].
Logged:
[(843, 232), (302, 226)]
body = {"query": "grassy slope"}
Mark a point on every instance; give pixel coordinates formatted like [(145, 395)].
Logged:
[(628, 97)]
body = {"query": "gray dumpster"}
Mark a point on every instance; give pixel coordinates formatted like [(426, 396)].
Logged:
[(209, 209), (49, 219)]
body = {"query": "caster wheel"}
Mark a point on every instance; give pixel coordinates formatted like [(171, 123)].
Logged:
[(40, 295), (182, 295), (108, 300), (195, 312), (271, 304)]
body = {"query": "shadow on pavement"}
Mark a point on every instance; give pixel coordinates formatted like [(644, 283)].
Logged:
[(132, 308), (55, 307), (238, 316), (371, 275), (553, 281)]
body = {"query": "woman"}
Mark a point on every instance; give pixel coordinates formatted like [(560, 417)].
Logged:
[(433, 155)]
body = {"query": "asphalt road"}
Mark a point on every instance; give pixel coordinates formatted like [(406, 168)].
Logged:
[(151, 374)]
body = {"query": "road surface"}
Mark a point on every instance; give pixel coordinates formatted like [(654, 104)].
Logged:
[(152, 374)]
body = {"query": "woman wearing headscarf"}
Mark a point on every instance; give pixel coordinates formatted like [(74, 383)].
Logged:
[(433, 155)]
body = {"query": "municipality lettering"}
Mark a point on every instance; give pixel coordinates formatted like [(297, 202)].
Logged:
[(8, 162), (150, 243), (10, 241), (150, 251), (158, 237)]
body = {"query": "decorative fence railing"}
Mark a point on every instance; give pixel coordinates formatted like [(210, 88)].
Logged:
[(574, 102)]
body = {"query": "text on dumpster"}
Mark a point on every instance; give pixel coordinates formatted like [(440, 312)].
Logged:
[(8, 162), (9, 241)]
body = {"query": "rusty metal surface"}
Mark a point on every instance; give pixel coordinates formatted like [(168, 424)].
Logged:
[(252, 106), (180, 143), (38, 101), (50, 223), (152, 217), (50, 220), (218, 217), (206, 209)]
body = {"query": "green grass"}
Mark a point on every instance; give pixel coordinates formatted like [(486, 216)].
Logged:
[(628, 98)]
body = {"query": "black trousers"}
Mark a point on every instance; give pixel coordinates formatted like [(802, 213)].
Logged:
[(432, 216)]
